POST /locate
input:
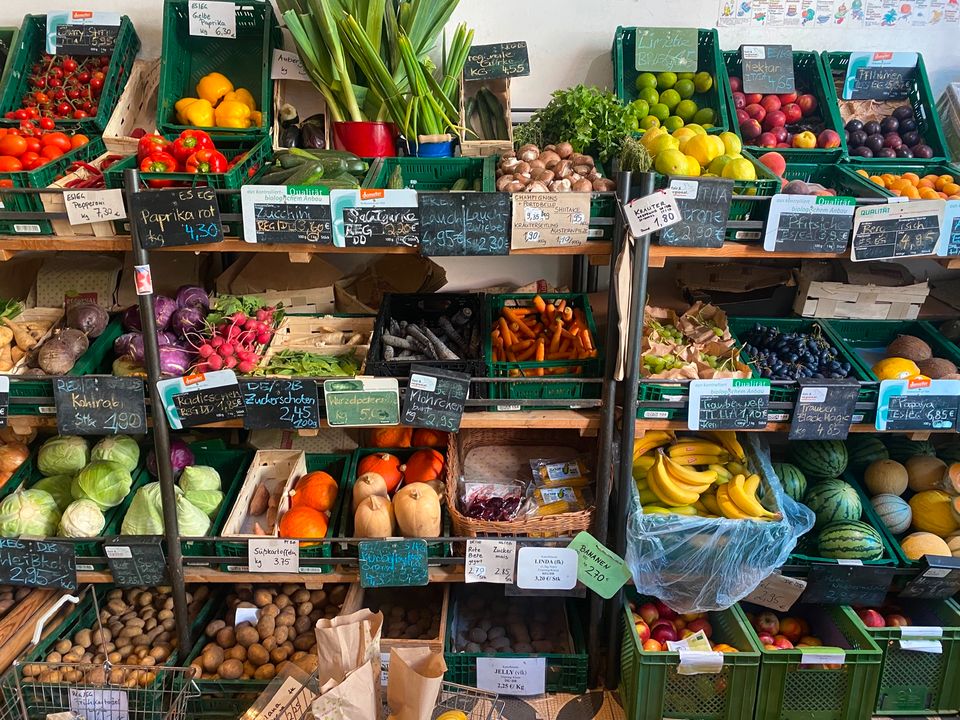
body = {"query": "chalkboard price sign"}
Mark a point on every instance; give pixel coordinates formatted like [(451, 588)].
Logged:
[(666, 49), (705, 206), (136, 560), (835, 584), (919, 404), (202, 398), (940, 579), (38, 563), (286, 214), (78, 39), (435, 398), (271, 404), (393, 563), (464, 223), (500, 60), (804, 223), (362, 402), (824, 409), (728, 404), (100, 405), (899, 230), (4, 400), (767, 68), (880, 75), (176, 217)]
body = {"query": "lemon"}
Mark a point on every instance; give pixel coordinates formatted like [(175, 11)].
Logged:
[(660, 111), (663, 143), (718, 164), (666, 80), (685, 76), (686, 109), (693, 165), (705, 116), (649, 122), (651, 133), (670, 98), (707, 126), (640, 108), (683, 135), (739, 169), (649, 95), (698, 129), (703, 149), (671, 162), (703, 81), (673, 122), (718, 143), (685, 88), (646, 80), (731, 142)]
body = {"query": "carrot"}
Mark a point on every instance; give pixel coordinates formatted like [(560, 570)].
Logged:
[(521, 346), (550, 311), (539, 304), (523, 329), (541, 349), (505, 333), (586, 340), (568, 314), (527, 354), (561, 305), (555, 339)]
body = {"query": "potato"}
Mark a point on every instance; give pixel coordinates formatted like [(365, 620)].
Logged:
[(237, 652), (318, 597), (304, 608), (212, 659), (271, 610), (215, 627), (160, 652), (278, 655), (117, 676), (302, 625), (226, 638), (269, 643), (542, 646), (262, 597), (286, 619), (258, 654), (62, 646), (266, 626), (249, 669), (230, 669), (304, 642), (281, 601), (84, 638), (281, 634), (54, 658), (247, 635), (265, 672)]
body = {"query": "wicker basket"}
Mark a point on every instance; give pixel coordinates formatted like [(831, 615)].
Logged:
[(513, 446), (137, 107)]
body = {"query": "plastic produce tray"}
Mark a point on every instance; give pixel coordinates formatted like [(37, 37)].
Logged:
[(879, 166), (434, 173), (232, 466)]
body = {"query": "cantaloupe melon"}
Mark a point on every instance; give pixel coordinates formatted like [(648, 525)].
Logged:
[(894, 511), (954, 544), (886, 476), (932, 513), (916, 545), (925, 472)]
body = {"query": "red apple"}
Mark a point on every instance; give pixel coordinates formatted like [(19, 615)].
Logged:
[(783, 145), (767, 622), (897, 621), (750, 129), (781, 134), (871, 618), (787, 98), (700, 624), (662, 631), (765, 638), (792, 112), (742, 116), (767, 139), (679, 623), (782, 642), (643, 631), (790, 628), (735, 84), (770, 103), (774, 119), (828, 139), (756, 112), (739, 100), (807, 103), (648, 611), (652, 646), (665, 611), (754, 98)]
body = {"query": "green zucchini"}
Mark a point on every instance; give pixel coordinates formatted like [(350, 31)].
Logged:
[(277, 176), (460, 185)]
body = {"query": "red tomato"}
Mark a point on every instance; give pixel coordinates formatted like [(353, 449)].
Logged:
[(10, 164), (56, 139), (51, 152), (78, 140), (6, 183), (13, 145), (47, 123), (33, 144), (29, 160)]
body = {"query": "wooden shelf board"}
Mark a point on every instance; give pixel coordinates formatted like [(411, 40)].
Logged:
[(441, 574), (730, 251)]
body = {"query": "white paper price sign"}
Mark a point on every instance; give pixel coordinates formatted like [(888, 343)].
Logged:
[(652, 213), (512, 676), (822, 655), (87, 206), (928, 632), (209, 18), (699, 662), (547, 568), (490, 561), (99, 704), (934, 647), (287, 66), (291, 701), (268, 555)]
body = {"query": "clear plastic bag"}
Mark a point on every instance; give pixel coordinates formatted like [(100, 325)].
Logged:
[(695, 564)]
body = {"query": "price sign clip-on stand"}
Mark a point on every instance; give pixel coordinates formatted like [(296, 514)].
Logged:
[(161, 428)]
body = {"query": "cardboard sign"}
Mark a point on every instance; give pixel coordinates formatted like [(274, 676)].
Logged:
[(728, 404), (273, 555), (500, 60), (512, 675), (777, 592), (136, 561), (550, 220), (704, 208), (362, 402), (900, 230), (81, 32), (286, 214), (87, 206), (806, 223), (213, 19), (545, 568), (100, 405), (4, 399), (38, 563), (939, 580), (375, 218), (918, 405), (288, 66), (880, 75), (490, 561), (280, 404), (200, 399), (839, 584), (767, 68), (667, 49), (393, 563), (599, 568), (435, 398), (464, 223), (652, 213), (824, 408), (176, 217)]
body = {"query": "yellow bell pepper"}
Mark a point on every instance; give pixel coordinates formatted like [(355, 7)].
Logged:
[(213, 87), (180, 108), (199, 114), (256, 119), (232, 114), (242, 95)]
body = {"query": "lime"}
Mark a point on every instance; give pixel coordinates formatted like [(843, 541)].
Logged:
[(705, 116), (666, 80), (670, 98), (707, 126), (649, 95), (640, 109), (671, 162), (646, 80), (703, 81), (685, 88), (718, 163), (685, 76), (660, 111), (650, 121), (672, 123), (686, 109), (731, 142), (663, 143)]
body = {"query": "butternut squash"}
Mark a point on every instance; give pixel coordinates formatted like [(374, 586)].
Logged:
[(417, 509), (368, 484), (374, 518)]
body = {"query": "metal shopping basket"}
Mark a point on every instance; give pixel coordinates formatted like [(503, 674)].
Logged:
[(475, 704)]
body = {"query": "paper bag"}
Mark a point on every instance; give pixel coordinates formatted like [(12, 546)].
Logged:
[(348, 667), (413, 685), (354, 698)]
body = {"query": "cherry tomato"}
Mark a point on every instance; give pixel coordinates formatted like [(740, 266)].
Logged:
[(6, 183), (20, 114), (69, 64), (63, 109), (10, 164), (73, 94), (33, 144), (33, 112), (54, 82), (55, 72), (79, 139), (40, 82), (83, 77), (12, 146), (96, 85), (80, 114), (47, 123), (51, 152), (29, 160)]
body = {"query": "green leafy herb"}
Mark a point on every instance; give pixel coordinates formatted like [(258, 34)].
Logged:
[(300, 363), (9, 309)]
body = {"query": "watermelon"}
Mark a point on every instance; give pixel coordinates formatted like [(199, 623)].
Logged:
[(894, 511), (864, 449), (793, 481), (902, 448), (850, 540), (949, 452), (819, 458), (833, 501)]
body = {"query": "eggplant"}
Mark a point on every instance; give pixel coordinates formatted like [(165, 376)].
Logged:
[(290, 136), (313, 133)]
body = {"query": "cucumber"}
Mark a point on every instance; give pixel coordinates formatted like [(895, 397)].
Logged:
[(289, 160), (497, 119), (306, 174), (460, 185), (486, 118)]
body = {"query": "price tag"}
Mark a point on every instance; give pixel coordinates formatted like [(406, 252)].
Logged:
[(87, 206), (247, 615), (550, 219), (273, 555), (704, 208), (767, 68), (824, 408), (279, 404), (4, 399), (203, 398), (176, 217), (213, 19), (362, 402), (885, 232), (927, 632), (822, 655), (880, 75), (274, 214), (100, 405), (287, 66), (699, 662), (490, 561), (435, 398), (393, 563), (371, 217), (291, 701), (949, 244), (919, 404), (99, 704), (777, 592), (500, 60), (940, 579), (512, 676), (728, 404), (136, 561), (835, 584), (653, 212), (82, 32), (934, 647), (464, 223), (599, 568), (807, 223), (38, 563), (666, 49), (544, 568)]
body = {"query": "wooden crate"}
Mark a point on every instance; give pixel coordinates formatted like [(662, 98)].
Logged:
[(859, 302), (55, 203), (276, 468), (323, 334), (305, 98), (136, 108)]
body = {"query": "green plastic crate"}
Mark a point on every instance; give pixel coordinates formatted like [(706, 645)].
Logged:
[(834, 177), (879, 166), (920, 97), (919, 683), (245, 61), (30, 45), (434, 173), (809, 78), (39, 178), (709, 60), (8, 37), (651, 688), (588, 368), (790, 691)]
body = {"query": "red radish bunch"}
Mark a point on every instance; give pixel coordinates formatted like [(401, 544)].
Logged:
[(236, 342)]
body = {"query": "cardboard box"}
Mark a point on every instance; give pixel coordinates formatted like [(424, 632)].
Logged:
[(363, 292), (471, 146), (71, 277), (273, 272), (872, 291)]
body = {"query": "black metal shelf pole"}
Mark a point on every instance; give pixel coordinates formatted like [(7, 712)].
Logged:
[(161, 430)]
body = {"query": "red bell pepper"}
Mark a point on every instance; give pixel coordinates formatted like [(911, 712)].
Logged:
[(189, 142), (159, 162), (206, 161), (150, 144)]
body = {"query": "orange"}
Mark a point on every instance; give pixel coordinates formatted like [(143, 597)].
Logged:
[(13, 145), (951, 188), (877, 179), (912, 177)]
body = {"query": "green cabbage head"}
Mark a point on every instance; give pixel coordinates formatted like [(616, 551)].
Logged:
[(63, 455), (206, 500), (145, 514), (105, 482), (82, 518), (120, 449), (199, 477), (59, 487), (29, 512)]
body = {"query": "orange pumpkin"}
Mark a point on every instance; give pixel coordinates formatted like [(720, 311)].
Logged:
[(428, 437), (303, 522), (394, 436), (385, 465), (423, 466), (315, 490)]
